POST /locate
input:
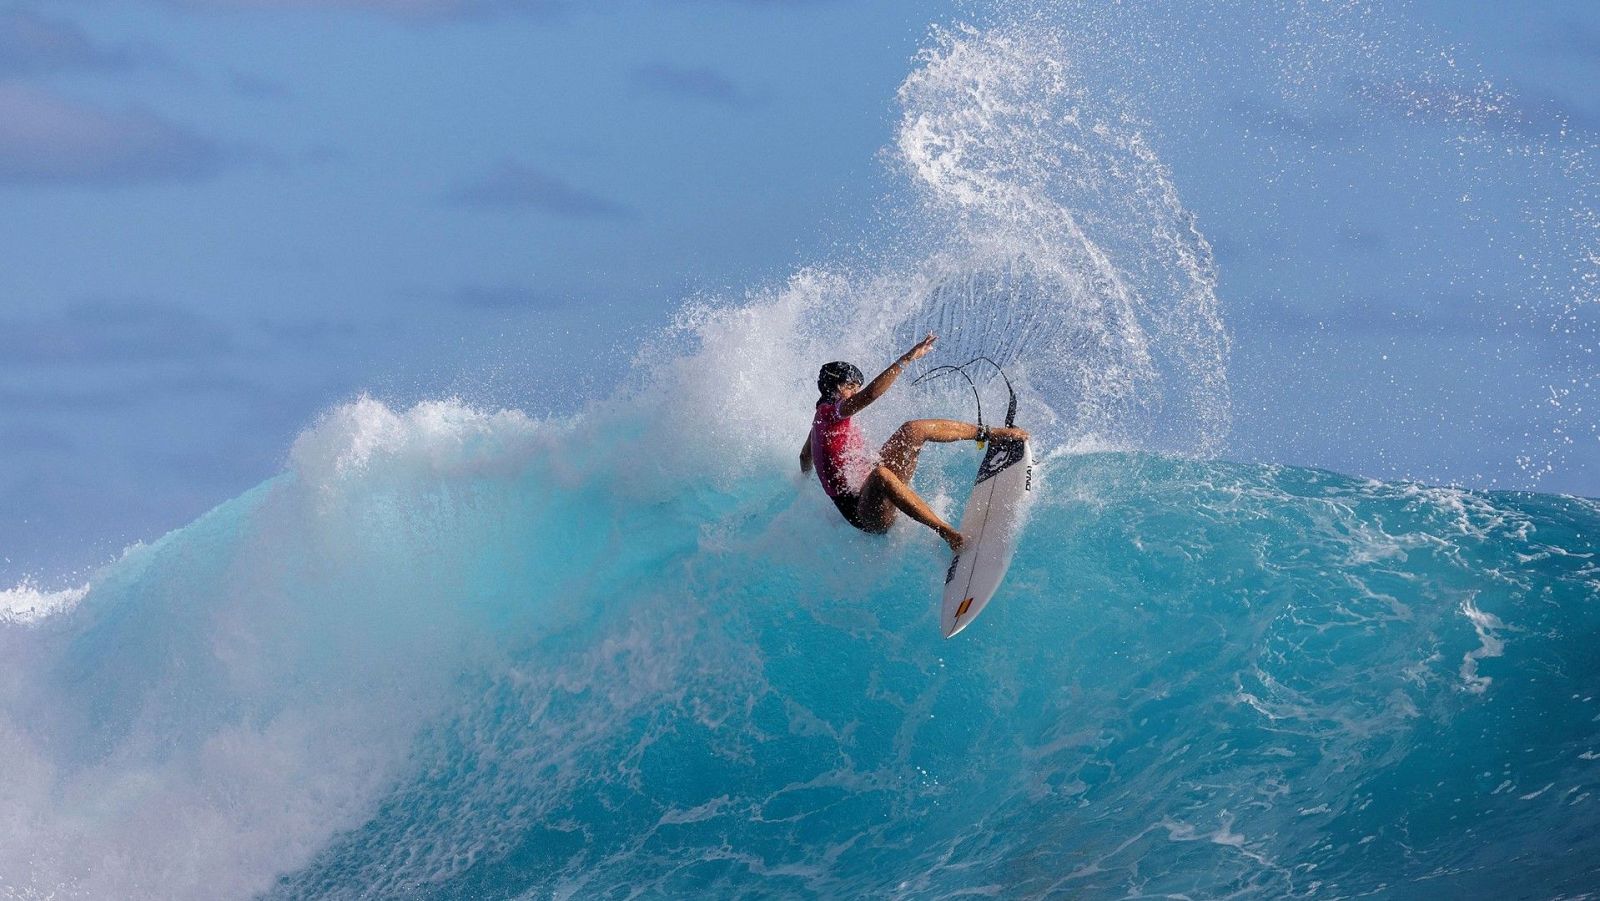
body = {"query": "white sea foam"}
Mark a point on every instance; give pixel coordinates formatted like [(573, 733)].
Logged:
[(1490, 644), (1046, 235), (1061, 243), (27, 603), (226, 699)]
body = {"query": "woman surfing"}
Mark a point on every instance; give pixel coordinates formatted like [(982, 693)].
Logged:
[(869, 489)]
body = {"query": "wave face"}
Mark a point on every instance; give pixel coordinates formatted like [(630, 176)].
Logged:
[(455, 653), (1204, 680)]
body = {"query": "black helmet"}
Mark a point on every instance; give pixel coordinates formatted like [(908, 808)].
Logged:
[(837, 373)]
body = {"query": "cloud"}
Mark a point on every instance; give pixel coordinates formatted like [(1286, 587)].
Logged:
[(1362, 238), (30, 439), (508, 298), (442, 9), (34, 400), (413, 9), (782, 3), (1424, 100), (1435, 101), (1275, 119), (104, 392), (31, 44), (104, 333), (692, 82), (1436, 316), (46, 138), (1574, 37), (308, 335), (511, 185), (256, 87)]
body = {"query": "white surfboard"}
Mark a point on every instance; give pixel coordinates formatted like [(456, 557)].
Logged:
[(991, 526)]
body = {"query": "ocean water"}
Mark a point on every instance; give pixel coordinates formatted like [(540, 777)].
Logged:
[(456, 652), (449, 655)]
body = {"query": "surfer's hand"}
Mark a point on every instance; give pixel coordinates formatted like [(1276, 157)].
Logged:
[(922, 348), (1010, 434)]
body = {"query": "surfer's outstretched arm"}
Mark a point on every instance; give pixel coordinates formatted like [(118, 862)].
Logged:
[(879, 386), (805, 455)]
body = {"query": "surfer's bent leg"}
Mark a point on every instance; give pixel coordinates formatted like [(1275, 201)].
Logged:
[(901, 450), (884, 493), (888, 488)]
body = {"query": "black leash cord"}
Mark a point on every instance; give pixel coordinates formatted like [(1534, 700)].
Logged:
[(1011, 405), (938, 370)]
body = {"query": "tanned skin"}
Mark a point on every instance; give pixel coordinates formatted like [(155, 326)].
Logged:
[(887, 490)]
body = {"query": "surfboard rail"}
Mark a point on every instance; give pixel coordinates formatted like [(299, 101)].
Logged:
[(991, 525)]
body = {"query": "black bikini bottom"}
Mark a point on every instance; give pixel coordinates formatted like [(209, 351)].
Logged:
[(850, 506)]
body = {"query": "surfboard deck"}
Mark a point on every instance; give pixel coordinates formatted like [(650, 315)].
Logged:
[(991, 526)]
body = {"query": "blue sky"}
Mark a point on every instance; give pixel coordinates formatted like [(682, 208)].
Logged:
[(222, 216)]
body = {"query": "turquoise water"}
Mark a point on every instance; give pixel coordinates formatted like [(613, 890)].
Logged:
[(416, 675), (1204, 680), (457, 653)]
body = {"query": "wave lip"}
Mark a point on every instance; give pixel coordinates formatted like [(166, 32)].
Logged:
[(217, 705), (27, 603)]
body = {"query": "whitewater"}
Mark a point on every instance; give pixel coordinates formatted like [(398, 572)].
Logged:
[(455, 652)]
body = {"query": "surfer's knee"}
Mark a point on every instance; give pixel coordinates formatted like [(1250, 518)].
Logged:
[(916, 430), (903, 440)]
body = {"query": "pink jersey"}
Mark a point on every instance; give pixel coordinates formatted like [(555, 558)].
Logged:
[(838, 451)]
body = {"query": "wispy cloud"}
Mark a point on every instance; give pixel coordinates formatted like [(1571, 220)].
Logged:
[(507, 298), (102, 332), (694, 82), (1364, 238), (308, 335), (115, 355), (33, 398), (1426, 100), (413, 9), (48, 138), (256, 87), (89, 394), (1436, 316), (30, 439), (31, 44), (1272, 118), (784, 2), (512, 185), (1436, 101), (1574, 37)]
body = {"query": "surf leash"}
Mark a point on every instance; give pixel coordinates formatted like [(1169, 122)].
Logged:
[(1011, 405), (944, 370)]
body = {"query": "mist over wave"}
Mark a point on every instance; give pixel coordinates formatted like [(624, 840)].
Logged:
[(1062, 248), (460, 653)]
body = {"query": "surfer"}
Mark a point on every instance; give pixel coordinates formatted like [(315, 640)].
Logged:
[(869, 489)]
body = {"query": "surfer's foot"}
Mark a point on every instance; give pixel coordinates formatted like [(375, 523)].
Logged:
[(952, 538), (1009, 433)]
